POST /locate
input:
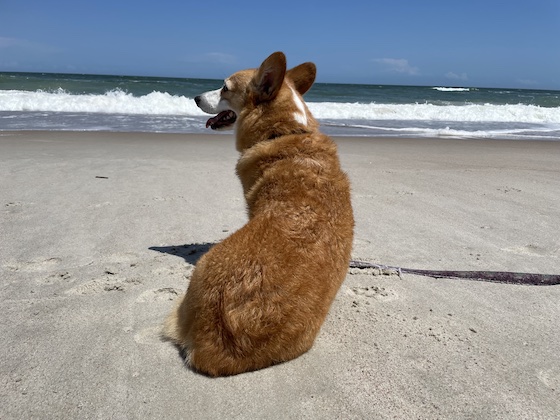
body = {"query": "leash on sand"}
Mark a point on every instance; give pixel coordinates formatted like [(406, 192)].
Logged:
[(528, 279)]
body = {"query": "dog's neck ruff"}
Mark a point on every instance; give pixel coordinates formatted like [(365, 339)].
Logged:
[(271, 134), (280, 133)]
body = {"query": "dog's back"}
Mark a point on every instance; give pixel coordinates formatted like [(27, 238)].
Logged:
[(260, 296)]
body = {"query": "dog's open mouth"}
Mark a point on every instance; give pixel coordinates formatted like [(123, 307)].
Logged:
[(223, 120)]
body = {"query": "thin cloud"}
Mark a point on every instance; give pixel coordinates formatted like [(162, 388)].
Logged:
[(454, 76), (11, 42), (213, 58), (397, 65), (527, 82), (220, 58), (27, 46)]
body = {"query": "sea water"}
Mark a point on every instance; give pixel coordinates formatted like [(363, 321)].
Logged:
[(39, 101)]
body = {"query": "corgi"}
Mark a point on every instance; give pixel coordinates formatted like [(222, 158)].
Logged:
[(259, 297)]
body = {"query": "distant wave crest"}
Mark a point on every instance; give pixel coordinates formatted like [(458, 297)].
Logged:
[(452, 89)]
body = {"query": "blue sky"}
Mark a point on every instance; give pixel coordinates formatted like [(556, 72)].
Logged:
[(484, 43)]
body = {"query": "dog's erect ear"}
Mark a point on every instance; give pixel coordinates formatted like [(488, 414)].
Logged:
[(303, 76), (270, 76)]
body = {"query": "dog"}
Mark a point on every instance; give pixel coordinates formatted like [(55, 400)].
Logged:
[(259, 297)]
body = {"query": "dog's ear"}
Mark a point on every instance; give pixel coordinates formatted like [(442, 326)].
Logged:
[(269, 77), (303, 76)]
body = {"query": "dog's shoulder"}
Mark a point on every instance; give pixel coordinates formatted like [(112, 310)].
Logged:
[(306, 157)]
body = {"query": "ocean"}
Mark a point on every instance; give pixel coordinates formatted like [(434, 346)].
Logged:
[(70, 102)]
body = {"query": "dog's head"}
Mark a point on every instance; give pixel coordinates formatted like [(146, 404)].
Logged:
[(269, 95)]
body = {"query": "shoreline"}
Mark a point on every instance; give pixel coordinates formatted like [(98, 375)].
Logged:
[(226, 134), (101, 230)]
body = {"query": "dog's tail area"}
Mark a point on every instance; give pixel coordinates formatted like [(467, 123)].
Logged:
[(225, 353), (170, 330), (218, 351)]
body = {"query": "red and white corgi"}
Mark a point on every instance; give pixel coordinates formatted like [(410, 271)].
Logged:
[(260, 296)]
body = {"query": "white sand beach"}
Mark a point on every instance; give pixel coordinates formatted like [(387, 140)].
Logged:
[(99, 233)]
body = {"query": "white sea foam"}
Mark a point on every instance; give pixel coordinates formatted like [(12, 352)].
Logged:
[(113, 102), (158, 103), (120, 111), (451, 89), (445, 131), (429, 112)]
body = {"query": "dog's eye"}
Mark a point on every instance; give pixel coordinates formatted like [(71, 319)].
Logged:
[(225, 89)]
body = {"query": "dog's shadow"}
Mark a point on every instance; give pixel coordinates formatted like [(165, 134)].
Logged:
[(191, 253)]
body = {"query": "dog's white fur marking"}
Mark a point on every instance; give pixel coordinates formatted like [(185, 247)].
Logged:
[(301, 115), (212, 103)]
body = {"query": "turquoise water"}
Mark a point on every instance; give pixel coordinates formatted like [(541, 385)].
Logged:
[(33, 101)]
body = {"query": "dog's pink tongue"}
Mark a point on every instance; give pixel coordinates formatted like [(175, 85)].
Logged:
[(215, 119), (212, 120)]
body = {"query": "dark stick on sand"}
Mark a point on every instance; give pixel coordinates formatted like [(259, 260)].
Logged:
[(529, 279)]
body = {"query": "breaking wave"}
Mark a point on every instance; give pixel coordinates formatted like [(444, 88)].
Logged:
[(118, 110), (452, 89), (160, 103)]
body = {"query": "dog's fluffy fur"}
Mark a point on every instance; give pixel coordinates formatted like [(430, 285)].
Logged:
[(260, 296)]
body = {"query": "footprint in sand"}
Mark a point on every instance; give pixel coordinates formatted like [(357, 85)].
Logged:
[(99, 205), (183, 270), (361, 241), (150, 335), (508, 189), (159, 295), (122, 258), (13, 207), (549, 378), (367, 196), (38, 264), (529, 249), (360, 244), (57, 278), (110, 282), (368, 293), (169, 198)]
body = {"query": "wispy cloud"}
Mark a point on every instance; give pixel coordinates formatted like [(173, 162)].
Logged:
[(527, 82), (24, 45), (397, 65), (213, 58), (455, 76), (11, 42), (221, 58), (17, 54)]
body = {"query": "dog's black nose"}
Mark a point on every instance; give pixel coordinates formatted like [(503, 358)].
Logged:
[(197, 100)]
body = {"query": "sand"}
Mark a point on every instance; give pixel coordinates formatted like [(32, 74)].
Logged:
[(99, 233)]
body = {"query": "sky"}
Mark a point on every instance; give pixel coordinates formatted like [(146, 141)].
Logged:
[(481, 43)]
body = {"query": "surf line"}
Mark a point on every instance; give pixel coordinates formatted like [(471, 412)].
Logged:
[(508, 277)]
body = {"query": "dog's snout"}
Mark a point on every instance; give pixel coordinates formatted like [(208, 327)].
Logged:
[(197, 99)]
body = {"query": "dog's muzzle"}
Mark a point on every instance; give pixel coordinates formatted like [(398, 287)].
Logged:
[(223, 120)]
